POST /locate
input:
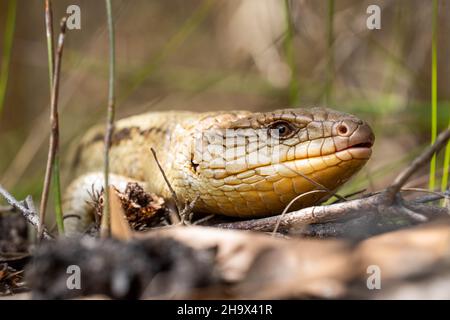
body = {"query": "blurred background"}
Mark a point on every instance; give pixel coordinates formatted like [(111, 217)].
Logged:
[(222, 55)]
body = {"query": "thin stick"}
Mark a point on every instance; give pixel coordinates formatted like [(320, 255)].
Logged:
[(421, 160), (422, 191), (105, 228), (280, 217), (28, 213), (174, 195), (204, 219), (51, 63), (54, 137), (188, 211), (349, 195)]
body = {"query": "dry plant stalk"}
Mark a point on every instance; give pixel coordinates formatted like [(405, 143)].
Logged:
[(54, 121), (51, 65), (105, 228)]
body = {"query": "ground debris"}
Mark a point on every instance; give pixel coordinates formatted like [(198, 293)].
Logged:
[(11, 280), (14, 253), (143, 210), (119, 270), (408, 263), (193, 262)]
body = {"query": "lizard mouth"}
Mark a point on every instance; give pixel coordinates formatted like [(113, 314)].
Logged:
[(362, 145), (359, 151)]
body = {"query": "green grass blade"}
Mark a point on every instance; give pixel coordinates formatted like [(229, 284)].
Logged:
[(432, 181), (57, 195), (444, 182), (7, 48)]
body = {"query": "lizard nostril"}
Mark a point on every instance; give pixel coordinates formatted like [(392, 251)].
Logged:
[(342, 129)]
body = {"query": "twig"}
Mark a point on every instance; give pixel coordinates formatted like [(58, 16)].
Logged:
[(420, 161), (187, 212), (349, 195), (29, 213), (289, 205), (174, 195), (204, 219), (412, 214), (105, 228), (408, 189), (54, 137), (51, 63), (184, 213), (432, 197), (30, 203)]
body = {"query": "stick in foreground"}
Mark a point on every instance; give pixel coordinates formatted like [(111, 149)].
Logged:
[(54, 137), (105, 228)]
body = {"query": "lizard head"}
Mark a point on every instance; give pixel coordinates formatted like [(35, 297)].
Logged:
[(254, 164)]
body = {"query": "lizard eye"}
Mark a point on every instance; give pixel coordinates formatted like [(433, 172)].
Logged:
[(281, 129)]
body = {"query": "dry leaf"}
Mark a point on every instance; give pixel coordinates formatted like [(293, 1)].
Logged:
[(120, 228)]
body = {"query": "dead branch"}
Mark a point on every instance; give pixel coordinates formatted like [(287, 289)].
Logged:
[(28, 211), (373, 205), (306, 216)]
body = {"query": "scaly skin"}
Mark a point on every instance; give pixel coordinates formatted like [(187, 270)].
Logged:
[(235, 176)]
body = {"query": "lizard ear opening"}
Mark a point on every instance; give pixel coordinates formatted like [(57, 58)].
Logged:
[(193, 164)]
